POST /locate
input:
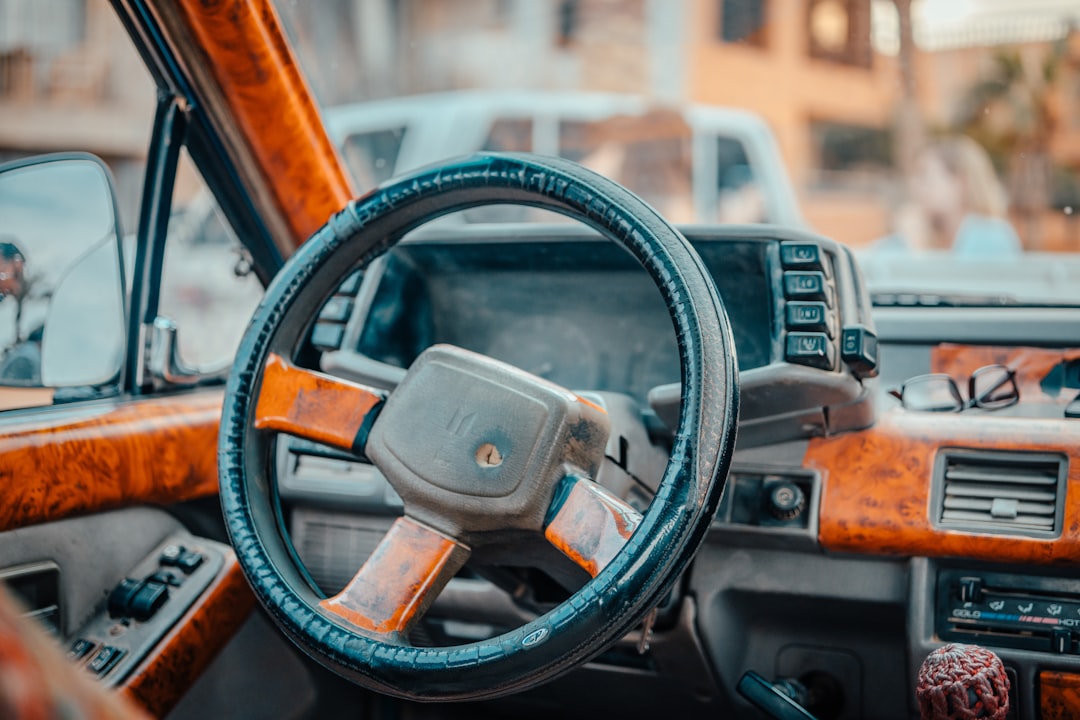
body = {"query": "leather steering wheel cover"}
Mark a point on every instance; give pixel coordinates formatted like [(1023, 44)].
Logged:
[(674, 525)]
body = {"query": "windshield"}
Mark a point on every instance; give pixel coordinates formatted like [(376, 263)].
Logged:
[(939, 138)]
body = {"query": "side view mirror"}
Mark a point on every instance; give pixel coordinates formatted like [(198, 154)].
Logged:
[(62, 292)]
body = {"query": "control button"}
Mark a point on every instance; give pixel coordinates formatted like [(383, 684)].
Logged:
[(336, 309), (1060, 640), (801, 256), (120, 598), (806, 286), (351, 284), (166, 577), (171, 554), (148, 600), (786, 501), (808, 316), (813, 349), (858, 348), (80, 649), (327, 336), (971, 589), (105, 659), (189, 561)]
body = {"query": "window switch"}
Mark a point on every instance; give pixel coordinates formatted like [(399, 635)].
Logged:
[(189, 562), (171, 554), (105, 659), (120, 598), (148, 600), (80, 649), (166, 577)]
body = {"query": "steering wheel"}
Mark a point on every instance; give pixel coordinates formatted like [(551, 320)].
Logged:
[(479, 451)]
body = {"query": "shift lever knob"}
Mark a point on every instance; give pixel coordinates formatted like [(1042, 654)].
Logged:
[(962, 681)]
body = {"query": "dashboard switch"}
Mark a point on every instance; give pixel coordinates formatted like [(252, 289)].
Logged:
[(80, 649), (171, 554), (148, 600), (858, 348), (119, 603), (813, 349), (806, 286), (808, 316), (1061, 640), (801, 256), (971, 589), (105, 659), (189, 562), (166, 577)]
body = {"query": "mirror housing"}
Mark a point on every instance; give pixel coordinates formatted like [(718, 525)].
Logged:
[(62, 290)]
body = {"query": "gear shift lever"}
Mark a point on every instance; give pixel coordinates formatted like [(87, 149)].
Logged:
[(962, 681), (768, 698)]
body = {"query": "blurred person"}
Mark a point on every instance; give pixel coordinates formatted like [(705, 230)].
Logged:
[(962, 202), (956, 204), (12, 270), (20, 362)]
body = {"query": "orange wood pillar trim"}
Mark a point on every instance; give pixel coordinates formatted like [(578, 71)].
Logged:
[(181, 657), (252, 86)]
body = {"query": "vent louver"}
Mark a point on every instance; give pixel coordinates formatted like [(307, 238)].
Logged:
[(1013, 493)]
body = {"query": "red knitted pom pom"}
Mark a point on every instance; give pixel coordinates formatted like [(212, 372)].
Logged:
[(962, 682)]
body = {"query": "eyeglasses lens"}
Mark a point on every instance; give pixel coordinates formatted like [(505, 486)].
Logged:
[(932, 393), (994, 387)]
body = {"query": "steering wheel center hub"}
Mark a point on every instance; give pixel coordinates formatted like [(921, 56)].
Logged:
[(483, 439)]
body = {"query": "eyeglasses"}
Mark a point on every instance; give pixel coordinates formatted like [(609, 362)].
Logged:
[(991, 388)]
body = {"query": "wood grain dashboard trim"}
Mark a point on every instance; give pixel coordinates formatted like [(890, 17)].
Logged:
[(90, 458), (1032, 365), (877, 484), (159, 682), (1059, 695)]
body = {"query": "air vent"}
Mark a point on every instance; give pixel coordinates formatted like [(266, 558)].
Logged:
[(1000, 492)]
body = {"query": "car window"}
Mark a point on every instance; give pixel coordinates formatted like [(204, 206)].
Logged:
[(207, 286), (739, 196), (650, 154), (926, 135), (68, 60)]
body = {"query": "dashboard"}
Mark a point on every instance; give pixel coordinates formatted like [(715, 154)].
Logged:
[(834, 505), (576, 309)]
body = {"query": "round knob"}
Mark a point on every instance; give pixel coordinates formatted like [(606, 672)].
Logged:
[(786, 500)]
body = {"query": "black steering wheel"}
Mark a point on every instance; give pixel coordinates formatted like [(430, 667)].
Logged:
[(479, 451)]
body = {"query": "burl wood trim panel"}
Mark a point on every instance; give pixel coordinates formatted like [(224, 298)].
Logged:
[(159, 682), (238, 56), (1031, 366), (1059, 695), (876, 495), (404, 575), (591, 526), (312, 405), (90, 458)]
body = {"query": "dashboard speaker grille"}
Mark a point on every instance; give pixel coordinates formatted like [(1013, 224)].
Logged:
[(1000, 492), (333, 546)]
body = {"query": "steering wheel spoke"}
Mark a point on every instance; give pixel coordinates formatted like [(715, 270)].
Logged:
[(409, 568), (588, 524), (315, 406)]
